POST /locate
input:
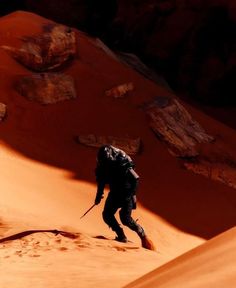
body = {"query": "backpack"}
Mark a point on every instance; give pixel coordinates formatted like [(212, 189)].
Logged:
[(111, 160)]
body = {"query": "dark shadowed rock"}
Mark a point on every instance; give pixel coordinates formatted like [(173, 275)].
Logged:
[(172, 123), (215, 162), (207, 66), (129, 145), (49, 50), (46, 88), (3, 111), (218, 171), (92, 16), (191, 43), (135, 63)]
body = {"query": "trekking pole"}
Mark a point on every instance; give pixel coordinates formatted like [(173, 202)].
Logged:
[(88, 211)]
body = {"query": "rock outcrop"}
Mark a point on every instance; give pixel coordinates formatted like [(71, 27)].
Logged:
[(196, 38), (130, 145), (49, 50), (224, 172), (46, 88), (172, 123), (3, 111)]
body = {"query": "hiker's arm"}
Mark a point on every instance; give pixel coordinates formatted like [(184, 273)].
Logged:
[(100, 192), (100, 184)]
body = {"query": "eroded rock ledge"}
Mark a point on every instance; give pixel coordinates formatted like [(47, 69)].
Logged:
[(46, 88), (46, 51), (130, 145), (172, 123)]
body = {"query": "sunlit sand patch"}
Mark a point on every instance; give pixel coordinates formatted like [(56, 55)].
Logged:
[(35, 243)]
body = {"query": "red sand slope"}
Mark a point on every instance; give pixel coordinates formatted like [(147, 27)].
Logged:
[(47, 180), (209, 265)]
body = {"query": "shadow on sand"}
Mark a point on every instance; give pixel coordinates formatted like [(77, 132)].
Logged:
[(29, 232), (197, 206)]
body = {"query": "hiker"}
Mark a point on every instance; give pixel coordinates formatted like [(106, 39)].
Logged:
[(116, 168)]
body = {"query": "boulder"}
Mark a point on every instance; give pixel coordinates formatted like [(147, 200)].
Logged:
[(46, 88), (49, 50), (130, 145)]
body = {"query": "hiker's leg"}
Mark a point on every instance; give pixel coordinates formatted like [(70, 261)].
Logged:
[(127, 220), (109, 218)]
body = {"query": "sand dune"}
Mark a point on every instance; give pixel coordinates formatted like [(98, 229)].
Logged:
[(209, 265), (47, 179)]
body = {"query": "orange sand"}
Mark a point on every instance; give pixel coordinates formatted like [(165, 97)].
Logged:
[(47, 180), (209, 265)]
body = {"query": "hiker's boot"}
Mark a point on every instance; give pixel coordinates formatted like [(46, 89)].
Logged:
[(146, 242), (121, 236)]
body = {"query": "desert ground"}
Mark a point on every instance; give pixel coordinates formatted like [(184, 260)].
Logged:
[(47, 182)]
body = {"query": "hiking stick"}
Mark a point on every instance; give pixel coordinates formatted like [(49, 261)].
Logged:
[(88, 211)]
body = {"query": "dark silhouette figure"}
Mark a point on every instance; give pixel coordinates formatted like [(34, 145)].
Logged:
[(116, 168)]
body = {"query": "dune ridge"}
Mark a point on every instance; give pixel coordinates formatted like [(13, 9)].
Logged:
[(210, 264)]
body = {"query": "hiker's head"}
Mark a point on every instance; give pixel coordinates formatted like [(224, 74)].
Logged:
[(108, 154), (104, 155)]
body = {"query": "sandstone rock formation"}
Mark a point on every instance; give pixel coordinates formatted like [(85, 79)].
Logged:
[(223, 171), (3, 111), (130, 145), (46, 88), (190, 42), (172, 123), (49, 50), (120, 91)]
